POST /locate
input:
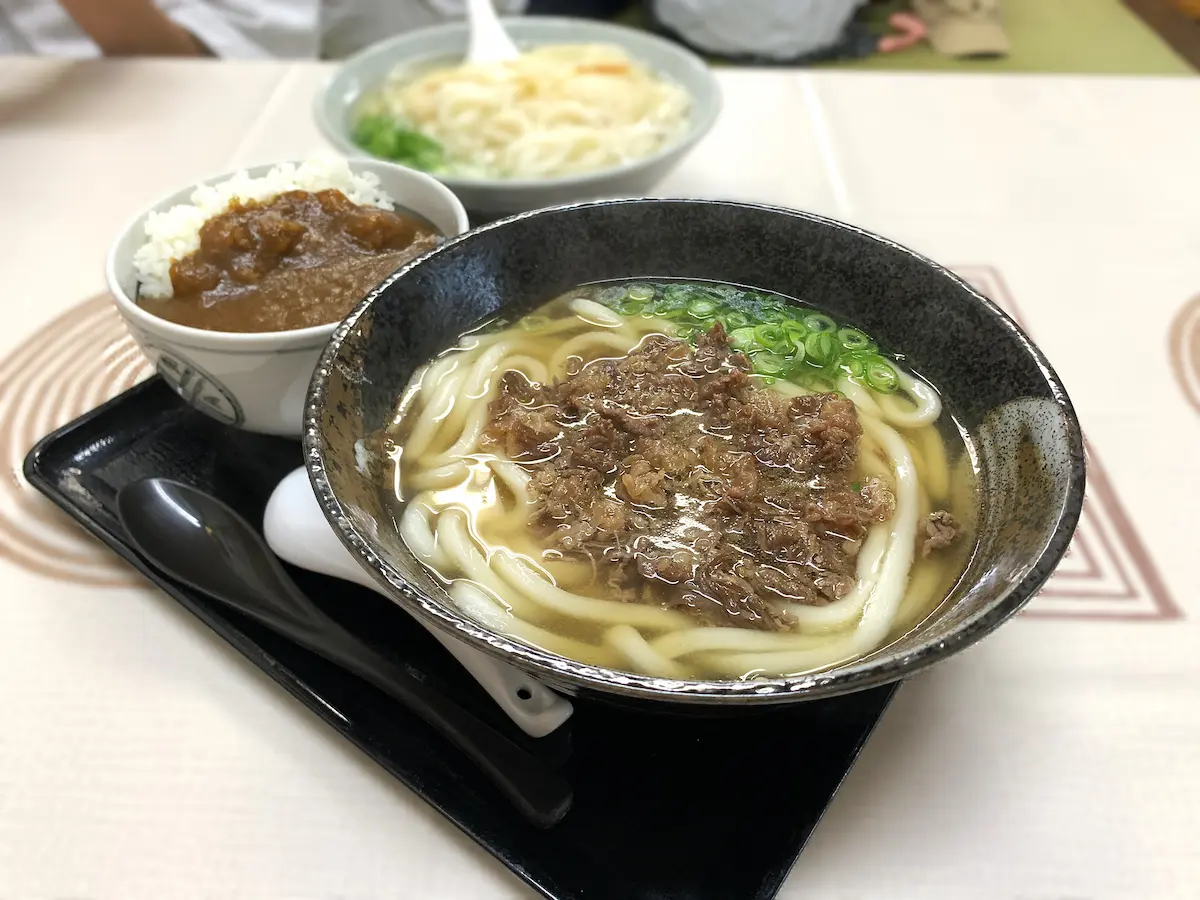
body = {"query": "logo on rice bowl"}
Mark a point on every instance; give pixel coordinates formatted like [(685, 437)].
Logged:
[(197, 387)]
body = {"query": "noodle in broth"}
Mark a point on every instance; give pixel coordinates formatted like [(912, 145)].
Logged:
[(554, 111), (467, 506)]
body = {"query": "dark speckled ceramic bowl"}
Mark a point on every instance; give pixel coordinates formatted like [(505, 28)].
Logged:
[(994, 380)]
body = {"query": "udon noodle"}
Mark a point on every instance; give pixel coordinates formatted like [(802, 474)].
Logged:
[(554, 111), (467, 506)]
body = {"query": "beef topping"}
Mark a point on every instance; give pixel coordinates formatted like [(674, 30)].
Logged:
[(690, 484), (941, 529)]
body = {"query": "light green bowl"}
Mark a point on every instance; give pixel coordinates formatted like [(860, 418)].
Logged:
[(495, 197)]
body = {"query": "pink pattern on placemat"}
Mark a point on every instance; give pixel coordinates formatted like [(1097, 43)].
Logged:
[(1184, 340), (1107, 573), (76, 362)]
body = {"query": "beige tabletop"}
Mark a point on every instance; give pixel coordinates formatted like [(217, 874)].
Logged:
[(141, 757)]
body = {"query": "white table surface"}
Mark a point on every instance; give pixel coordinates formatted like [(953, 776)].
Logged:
[(140, 757)]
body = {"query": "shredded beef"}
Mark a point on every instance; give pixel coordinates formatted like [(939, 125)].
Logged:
[(690, 485), (941, 529)]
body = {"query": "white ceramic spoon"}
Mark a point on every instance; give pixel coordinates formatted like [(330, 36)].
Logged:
[(488, 41), (297, 531)]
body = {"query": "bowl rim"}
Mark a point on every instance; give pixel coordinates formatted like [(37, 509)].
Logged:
[(698, 125), (250, 341), (859, 675)]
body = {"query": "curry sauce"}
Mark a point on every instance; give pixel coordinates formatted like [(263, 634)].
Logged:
[(298, 260)]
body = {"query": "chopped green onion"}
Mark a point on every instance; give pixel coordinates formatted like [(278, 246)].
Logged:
[(855, 341), (385, 137), (743, 339), (811, 349), (854, 364), (773, 338), (819, 323), (821, 348), (613, 294), (772, 314), (795, 331), (674, 297), (881, 376), (734, 319), (768, 363)]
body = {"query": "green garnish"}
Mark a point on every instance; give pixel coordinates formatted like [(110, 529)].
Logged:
[(621, 299), (819, 323), (781, 338), (733, 320), (773, 338), (384, 137), (743, 339), (614, 294), (771, 313), (796, 332), (854, 364), (676, 296), (855, 341), (881, 376), (768, 363), (822, 348)]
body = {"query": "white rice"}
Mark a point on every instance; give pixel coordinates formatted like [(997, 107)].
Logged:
[(175, 233)]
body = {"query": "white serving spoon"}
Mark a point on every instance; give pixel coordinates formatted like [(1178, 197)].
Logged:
[(488, 41), (297, 532)]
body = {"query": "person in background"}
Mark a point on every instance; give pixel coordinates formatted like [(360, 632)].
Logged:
[(781, 32), (349, 25), (966, 29), (233, 29), (89, 28)]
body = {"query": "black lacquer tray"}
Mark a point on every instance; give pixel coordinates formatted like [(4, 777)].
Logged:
[(666, 806)]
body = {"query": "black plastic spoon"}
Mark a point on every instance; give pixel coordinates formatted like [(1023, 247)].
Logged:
[(198, 540)]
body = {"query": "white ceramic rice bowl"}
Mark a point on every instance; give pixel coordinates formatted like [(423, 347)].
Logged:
[(253, 381)]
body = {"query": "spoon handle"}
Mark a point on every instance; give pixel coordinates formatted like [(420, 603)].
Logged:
[(297, 532), (488, 42), (200, 541), (541, 794)]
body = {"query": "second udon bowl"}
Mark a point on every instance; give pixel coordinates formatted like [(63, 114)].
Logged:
[(490, 198), (996, 383)]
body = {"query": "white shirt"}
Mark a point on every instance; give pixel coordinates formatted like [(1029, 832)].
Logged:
[(243, 29), (773, 29)]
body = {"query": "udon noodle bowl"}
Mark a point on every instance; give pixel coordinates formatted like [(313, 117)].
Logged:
[(685, 480), (554, 111)]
